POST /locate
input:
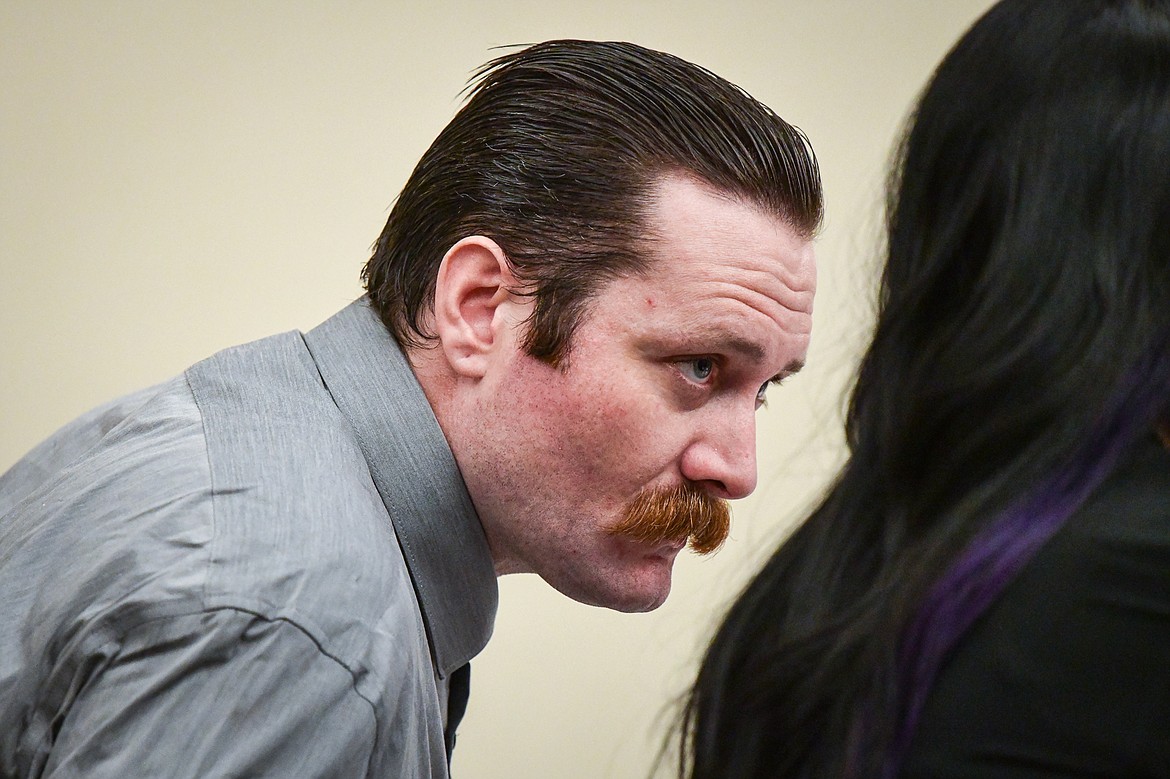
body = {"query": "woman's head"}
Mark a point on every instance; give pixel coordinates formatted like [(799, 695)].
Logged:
[(1022, 343), (1028, 262), (1025, 303)]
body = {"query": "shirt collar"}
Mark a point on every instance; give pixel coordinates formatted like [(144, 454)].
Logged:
[(415, 472)]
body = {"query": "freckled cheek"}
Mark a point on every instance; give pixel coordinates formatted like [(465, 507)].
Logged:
[(625, 445)]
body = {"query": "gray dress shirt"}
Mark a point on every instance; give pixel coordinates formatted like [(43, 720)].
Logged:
[(268, 566)]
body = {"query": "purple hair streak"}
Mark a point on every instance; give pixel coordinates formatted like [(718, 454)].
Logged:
[(1000, 551)]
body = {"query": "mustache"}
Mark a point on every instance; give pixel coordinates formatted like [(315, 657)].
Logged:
[(672, 513)]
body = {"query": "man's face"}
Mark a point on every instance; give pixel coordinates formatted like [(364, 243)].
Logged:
[(665, 375)]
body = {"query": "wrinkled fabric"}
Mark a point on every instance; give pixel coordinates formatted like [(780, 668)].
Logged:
[(1068, 673), (268, 566)]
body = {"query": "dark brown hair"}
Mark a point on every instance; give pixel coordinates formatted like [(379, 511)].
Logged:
[(554, 157)]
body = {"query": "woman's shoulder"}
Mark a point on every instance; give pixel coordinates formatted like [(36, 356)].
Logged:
[(1069, 671)]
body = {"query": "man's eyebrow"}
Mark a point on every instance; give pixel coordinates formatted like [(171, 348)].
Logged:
[(744, 347), (754, 351), (751, 350), (789, 369)]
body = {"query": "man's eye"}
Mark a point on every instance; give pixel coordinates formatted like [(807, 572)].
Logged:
[(762, 395), (698, 370)]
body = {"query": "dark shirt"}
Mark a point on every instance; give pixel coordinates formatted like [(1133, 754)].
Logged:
[(1068, 674)]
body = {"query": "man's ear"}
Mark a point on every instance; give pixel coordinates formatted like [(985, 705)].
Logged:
[(471, 291)]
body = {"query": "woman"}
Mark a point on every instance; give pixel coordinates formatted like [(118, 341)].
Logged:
[(985, 590)]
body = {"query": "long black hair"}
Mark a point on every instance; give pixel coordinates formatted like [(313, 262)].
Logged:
[(1022, 345)]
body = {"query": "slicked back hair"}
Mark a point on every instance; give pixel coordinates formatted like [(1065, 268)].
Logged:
[(556, 155)]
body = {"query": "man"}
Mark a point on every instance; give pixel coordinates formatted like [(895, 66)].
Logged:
[(281, 562)]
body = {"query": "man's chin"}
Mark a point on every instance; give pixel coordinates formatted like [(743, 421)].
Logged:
[(629, 576), (644, 589), (644, 606)]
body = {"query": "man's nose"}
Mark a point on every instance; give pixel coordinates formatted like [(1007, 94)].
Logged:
[(722, 458)]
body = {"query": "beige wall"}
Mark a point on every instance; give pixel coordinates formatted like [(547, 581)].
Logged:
[(178, 177)]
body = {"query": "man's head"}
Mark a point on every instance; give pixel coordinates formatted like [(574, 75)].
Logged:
[(554, 157), (596, 270)]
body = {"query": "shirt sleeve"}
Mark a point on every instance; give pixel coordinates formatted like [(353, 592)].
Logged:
[(216, 694), (66, 446)]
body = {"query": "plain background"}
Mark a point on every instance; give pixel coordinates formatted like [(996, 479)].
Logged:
[(179, 177)]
